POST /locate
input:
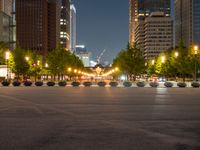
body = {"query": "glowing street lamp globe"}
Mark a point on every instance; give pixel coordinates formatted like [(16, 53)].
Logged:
[(163, 59), (27, 58), (176, 54), (7, 55), (153, 62), (46, 65), (196, 48)]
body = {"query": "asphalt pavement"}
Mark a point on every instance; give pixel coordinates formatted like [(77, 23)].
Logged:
[(93, 118)]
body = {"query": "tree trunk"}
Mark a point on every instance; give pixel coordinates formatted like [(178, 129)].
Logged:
[(183, 78), (134, 77), (54, 77), (35, 77)]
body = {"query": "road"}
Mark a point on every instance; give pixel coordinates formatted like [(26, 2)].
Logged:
[(55, 118)]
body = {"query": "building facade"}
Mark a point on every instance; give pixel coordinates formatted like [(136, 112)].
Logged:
[(187, 22), (65, 24), (6, 20), (73, 27), (6, 6), (37, 24), (83, 54), (139, 9), (154, 34)]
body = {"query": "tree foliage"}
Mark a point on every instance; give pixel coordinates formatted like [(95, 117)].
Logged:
[(3, 49), (178, 61), (60, 59), (130, 61), (20, 65)]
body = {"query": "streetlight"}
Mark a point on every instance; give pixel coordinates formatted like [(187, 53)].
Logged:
[(7, 58), (163, 59), (196, 48), (38, 62), (153, 62), (46, 65), (176, 54), (69, 69), (116, 69), (27, 58)]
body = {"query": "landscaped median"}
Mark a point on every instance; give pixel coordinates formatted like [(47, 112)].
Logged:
[(113, 84)]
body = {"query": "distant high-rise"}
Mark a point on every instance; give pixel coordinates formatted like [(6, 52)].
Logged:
[(187, 22), (73, 27), (65, 24), (139, 9), (37, 24), (154, 34), (83, 54)]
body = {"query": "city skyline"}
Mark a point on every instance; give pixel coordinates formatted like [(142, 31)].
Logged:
[(112, 42)]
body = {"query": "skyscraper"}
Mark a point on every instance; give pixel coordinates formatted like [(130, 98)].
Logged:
[(187, 22), (139, 9), (154, 34), (73, 27), (5, 20), (65, 24), (37, 24), (6, 6)]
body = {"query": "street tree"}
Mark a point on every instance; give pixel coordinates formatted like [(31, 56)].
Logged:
[(59, 60), (184, 63), (3, 49), (131, 61), (20, 66)]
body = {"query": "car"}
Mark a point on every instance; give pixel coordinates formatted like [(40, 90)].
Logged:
[(27, 80), (161, 79)]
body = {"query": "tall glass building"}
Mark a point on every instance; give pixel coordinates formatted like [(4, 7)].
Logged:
[(5, 20), (139, 9), (196, 22), (187, 22), (73, 27), (65, 24)]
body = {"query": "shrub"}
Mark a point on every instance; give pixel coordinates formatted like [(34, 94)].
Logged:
[(127, 84), (51, 83), (168, 84), (154, 84), (195, 84), (5, 83), (87, 84), (62, 83), (140, 84), (102, 84), (38, 83), (181, 84), (75, 84), (27, 83), (113, 84), (16, 83)]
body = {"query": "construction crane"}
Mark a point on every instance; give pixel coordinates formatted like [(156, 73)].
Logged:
[(99, 57)]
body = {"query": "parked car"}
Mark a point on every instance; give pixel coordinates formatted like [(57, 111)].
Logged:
[(162, 79)]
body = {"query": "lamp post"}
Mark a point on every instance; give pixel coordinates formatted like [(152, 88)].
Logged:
[(195, 67), (7, 59), (153, 62), (163, 59), (176, 54), (46, 75), (27, 58)]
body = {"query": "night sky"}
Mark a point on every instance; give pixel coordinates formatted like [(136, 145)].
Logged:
[(102, 24)]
